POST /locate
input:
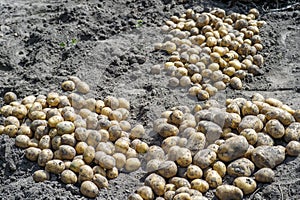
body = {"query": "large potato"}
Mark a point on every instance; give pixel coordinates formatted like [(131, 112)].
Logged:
[(265, 175), (167, 169), (55, 166), (157, 183), (204, 158), (233, 148), (251, 121), (68, 177), (241, 167), (145, 192), (213, 179), (89, 189), (268, 156)]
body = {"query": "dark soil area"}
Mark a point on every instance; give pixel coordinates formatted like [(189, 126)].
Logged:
[(42, 42)]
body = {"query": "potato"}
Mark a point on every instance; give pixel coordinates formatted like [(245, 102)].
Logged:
[(180, 182), (11, 120), (194, 172), (184, 157), (44, 156), (182, 196), (167, 130), (220, 167), (41, 176), (204, 158), (246, 184), (65, 127), (9, 97), (240, 167), (132, 164), (89, 189), (137, 132), (89, 154), (265, 175), (76, 164), (249, 108), (107, 162), (22, 141), (157, 184), (142, 147), (250, 135), (86, 173), (10, 130), (45, 142), (200, 185), (32, 153), (213, 179), (268, 156), (292, 132), (169, 195), (250, 121), (145, 192), (229, 192), (122, 145), (233, 148), (167, 169), (67, 152), (68, 139), (100, 181), (2, 130), (155, 152), (196, 142), (112, 173), (135, 197), (275, 129), (115, 132), (55, 166), (211, 130), (264, 139), (293, 148)]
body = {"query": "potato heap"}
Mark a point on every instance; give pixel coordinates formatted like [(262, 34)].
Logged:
[(211, 50), (239, 140), (83, 140)]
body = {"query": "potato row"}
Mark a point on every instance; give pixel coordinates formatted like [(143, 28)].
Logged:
[(211, 50), (244, 140), (83, 140)]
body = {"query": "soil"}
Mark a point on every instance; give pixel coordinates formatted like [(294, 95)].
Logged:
[(105, 44)]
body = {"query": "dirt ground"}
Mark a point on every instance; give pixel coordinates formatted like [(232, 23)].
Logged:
[(42, 42)]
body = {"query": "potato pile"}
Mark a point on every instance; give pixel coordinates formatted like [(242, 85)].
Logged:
[(200, 148), (209, 51), (83, 140)]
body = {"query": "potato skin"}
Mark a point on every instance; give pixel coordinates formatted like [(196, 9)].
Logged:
[(41, 176), (229, 192), (68, 177), (89, 189)]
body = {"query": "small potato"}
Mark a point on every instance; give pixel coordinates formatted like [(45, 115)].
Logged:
[(229, 192), (44, 156), (167, 169), (112, 173), (249, 108), (265, 175), (2, 130), (180, 182), (68, 177), (169, 195), (41, 176), (194, 172), (236, 83), (246, 184), (100, 181), (250, 135), (184, 157), (152, 165), (182, 196), (11, 120), (157, 184), (250, 121), (155, 152), (200, 185), (53, 99), (10, 130), (204, 158), (32, 153), (65, 127), (53, 121), (76, 164), (142, 147), (107, 162), (99, 170), (135, 197), (55, 166), (264, 139), (115, 132), (81, 134), (68, 139), (6, 110), (82, 87), (292, 132), (86, 173), (89, 154), (293, 148), (145, 192), (80, 147), (132, 164), (22, 141), (89, 189), (68, 85), (213, 179), (67, 152), (9, 97), (275, 129), (220, 167), (45, 142), (167, 130)]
